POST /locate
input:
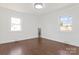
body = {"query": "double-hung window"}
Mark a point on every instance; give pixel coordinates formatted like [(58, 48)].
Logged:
[(15, 24), (66, 23)]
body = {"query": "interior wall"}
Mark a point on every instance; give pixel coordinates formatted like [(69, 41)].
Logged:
[(50, 26), (48, 23), (29, 26)]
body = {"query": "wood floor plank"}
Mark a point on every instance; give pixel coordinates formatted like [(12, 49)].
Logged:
[(38, 46)]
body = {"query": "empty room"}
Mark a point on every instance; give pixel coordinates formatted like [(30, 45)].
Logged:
[(39, 28)]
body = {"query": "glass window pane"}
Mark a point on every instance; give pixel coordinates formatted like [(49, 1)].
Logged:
[(15, 20), (15, 28), (66, 23), (15, 24)]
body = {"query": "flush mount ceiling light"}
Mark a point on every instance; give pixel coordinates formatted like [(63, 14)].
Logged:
[(38, 5)]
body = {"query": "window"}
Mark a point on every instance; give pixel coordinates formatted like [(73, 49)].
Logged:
[(66, 23), (15, 24)]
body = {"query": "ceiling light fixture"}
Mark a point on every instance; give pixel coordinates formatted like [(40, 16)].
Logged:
[(38, 5)]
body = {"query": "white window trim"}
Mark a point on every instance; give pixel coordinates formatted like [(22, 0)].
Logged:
[(13, 24)]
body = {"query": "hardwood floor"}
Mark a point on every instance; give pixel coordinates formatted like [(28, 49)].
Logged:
[(38, 47)]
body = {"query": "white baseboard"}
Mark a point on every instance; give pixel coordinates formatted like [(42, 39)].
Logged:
[(70, 43), (14, 40)]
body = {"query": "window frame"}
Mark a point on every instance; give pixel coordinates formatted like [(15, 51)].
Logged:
[(64, 26), (15, 25)]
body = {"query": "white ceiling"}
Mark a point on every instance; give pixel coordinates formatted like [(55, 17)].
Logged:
[(28, 7)]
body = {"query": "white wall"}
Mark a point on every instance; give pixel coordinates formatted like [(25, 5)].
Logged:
[(48, 23), (29, 26), (50, 26)]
